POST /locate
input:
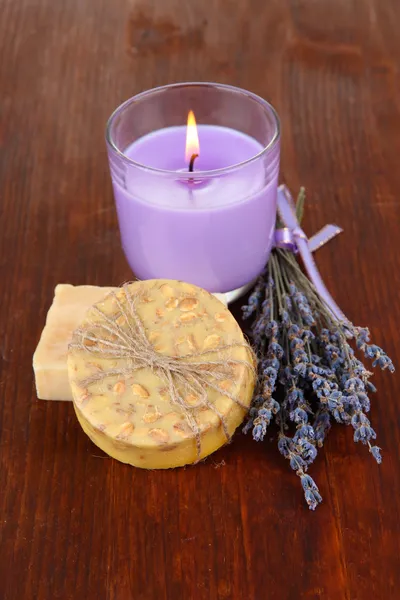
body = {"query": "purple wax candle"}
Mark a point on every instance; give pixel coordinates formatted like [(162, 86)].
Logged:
[(213, 227)]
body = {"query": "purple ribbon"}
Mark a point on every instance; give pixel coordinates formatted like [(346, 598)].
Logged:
[(292, 238)]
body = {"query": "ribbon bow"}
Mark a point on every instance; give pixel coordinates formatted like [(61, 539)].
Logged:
[(292, 237)]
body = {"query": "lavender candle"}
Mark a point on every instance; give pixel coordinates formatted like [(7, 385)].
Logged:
[(196, 204)]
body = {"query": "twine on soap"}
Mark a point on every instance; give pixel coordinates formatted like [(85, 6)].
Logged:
[(182, 375)]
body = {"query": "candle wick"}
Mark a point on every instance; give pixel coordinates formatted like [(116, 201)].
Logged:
[(191, 164)]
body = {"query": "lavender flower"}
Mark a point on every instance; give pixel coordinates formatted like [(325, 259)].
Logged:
[(303, 307), (311, 492), (306, 356), (259, 429), (376, 453), (299, 416), (254, 301), (322, 425), (264, 405), (294, 398)]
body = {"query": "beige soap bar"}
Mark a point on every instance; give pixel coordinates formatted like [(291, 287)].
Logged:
[(68, 309), (135, 365)]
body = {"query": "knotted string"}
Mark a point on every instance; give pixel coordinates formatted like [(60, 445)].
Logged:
[(123, 337)]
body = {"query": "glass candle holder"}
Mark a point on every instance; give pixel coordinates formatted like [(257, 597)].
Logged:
[(202, 214)]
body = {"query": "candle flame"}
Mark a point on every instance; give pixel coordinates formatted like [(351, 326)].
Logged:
[(192, 138)]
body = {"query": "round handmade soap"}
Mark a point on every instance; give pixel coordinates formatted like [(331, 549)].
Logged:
[(160, 373)]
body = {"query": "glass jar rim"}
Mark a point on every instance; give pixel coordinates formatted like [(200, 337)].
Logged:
[(197, 174)]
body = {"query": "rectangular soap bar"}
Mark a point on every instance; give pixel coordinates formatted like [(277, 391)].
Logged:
[(67, 311)]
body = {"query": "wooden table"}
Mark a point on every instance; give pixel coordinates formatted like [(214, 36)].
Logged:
[(77, 525)]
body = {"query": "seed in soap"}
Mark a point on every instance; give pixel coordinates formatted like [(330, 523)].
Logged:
[(174, 415), (139, 390), (182, 429), (220, 317), (211, 341), (125, 412), (121, 295), (187, 317), (119, 387), (191, 342), (152, 416), (188, 304), (125, 431), (161, 348), (159, 312), (159, 435), (167, 290), (164, 395), (153, 335), (171, 303), (189, 288), (191, 399)]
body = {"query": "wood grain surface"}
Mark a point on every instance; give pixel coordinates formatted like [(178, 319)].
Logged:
[(77, 525)]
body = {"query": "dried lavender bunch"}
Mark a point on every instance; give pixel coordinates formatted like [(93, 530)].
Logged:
[(309, 375)]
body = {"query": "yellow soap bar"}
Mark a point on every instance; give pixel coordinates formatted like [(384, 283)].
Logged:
[(69, 306), (160, 373)]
